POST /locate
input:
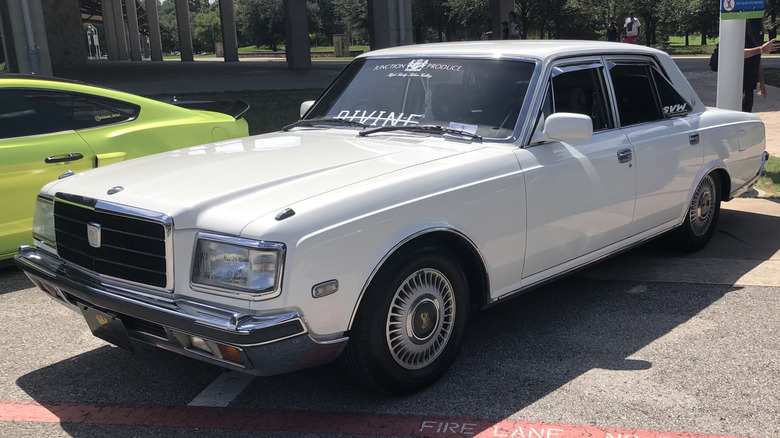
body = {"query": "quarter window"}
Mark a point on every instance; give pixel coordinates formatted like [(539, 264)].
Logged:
[(672, 103)]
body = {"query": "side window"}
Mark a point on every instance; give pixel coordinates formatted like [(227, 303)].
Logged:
[(91, 111), (635, 95), (33, 112), (577, 90), (671, 102)]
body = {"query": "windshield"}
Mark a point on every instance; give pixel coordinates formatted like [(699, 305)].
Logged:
[(480, 96)]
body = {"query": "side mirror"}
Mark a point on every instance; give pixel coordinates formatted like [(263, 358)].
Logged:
[(566, 127), (305, 107)]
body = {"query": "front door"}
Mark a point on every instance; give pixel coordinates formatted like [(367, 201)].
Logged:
[(580, 195)]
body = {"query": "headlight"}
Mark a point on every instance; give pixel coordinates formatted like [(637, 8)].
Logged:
[(235, 265), (43, 220)]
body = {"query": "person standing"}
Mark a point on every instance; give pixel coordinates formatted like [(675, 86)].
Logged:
[(514, 26), (753, 72), (631, 28), (613, 33)]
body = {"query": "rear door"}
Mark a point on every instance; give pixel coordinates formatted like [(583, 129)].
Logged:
[(665, 137)]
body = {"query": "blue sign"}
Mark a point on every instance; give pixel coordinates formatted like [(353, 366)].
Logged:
[(741, 9)]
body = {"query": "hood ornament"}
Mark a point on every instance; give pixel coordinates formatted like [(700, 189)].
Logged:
[(115, 189)]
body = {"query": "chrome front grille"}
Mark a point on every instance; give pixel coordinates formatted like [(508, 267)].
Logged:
[(124, 246)]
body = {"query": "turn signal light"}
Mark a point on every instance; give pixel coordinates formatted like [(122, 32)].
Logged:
[(230, 353)]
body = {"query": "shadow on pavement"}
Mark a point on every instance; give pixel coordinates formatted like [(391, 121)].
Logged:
[(514, 355), (12, 279)]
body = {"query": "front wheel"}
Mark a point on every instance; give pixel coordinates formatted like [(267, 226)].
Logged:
[(701, 217), (411, 322)]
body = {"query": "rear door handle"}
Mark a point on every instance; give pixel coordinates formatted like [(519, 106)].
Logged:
[(624, 155), (693, 139), (64, 158)]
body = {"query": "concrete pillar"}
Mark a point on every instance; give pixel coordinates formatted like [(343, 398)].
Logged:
[(64, 31), (118, 18), (185, 34), (6, 33), (110, 29), (227, 16), (28, 32), (296, 23), (499, 11), (132, 30), (391, 23), (155, 40)]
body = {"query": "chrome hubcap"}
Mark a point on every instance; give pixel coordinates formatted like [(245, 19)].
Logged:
[(702, 206), (419, 322)]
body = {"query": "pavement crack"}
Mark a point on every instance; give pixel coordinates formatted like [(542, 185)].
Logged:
[(732, 236)]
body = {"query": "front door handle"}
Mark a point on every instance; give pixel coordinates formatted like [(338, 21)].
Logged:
[(624, 155), (64, 158)]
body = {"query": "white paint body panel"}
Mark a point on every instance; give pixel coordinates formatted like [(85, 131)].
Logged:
[(531, 212)]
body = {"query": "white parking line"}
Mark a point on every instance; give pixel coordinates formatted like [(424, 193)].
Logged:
[(223, 390)]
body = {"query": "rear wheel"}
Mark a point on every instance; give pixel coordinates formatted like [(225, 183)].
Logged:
[(410, 323), (702, 216)]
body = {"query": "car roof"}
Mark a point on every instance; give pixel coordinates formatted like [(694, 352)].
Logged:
[(36, 78), (534, 49)]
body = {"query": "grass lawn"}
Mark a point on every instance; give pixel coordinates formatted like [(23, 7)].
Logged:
[(769, 182)]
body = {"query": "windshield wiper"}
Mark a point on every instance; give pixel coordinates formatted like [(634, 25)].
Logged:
[(324, 121), (422, 128)]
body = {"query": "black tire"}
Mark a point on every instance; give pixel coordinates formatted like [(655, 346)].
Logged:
[(410, 323), (701, 218)]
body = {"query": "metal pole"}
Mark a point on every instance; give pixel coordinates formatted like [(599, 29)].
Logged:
[(32, 49)]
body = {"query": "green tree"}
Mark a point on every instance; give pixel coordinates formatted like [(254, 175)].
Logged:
[(262, 22), (469, 19), (207, 29), (351, 17)]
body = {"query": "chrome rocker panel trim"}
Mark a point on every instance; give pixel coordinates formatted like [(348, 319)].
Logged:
[(269, 345)]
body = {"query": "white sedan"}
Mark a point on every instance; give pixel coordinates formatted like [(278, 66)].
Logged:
[(426, 181)]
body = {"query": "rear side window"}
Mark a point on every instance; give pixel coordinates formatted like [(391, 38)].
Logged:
[(25, 112), (635, 95)]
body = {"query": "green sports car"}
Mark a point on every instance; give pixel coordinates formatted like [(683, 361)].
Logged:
[(51, 128)]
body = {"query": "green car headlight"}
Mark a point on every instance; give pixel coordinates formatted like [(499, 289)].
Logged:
[(238, 266), (43, 220)]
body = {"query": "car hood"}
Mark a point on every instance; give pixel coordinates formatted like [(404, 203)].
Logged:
[(224, 186)]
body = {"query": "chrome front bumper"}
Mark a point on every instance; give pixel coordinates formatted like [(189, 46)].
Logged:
[(268, 344)]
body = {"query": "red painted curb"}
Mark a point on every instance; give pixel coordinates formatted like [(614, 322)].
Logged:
[(349, 423)]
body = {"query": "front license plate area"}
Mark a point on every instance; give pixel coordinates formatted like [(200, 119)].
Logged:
[(106, 327)]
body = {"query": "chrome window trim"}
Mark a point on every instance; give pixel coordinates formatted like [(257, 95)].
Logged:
[(132, 213), (249, 243)]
